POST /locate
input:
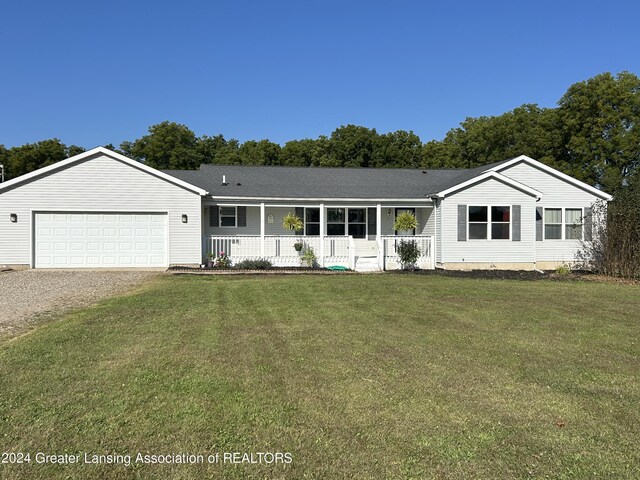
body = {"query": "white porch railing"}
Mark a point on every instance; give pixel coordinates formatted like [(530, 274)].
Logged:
[(280, 250), (388, 251), (338, 250)]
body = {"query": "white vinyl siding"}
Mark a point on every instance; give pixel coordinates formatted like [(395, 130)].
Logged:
[(557, 193), (100, 184), (488, 192)]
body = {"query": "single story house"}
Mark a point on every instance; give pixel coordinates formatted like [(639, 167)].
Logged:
[(101, 209)]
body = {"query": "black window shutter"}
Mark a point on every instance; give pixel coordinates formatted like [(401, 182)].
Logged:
[(539, 225), (588, 224), (371, 221), (462, 223), (515, 222), (213, 216), (300, 214), (241, 221)]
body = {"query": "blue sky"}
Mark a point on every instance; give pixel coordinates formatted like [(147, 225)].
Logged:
[(92, 73)]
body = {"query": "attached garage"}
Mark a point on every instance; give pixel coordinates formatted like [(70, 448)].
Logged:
[(100, 239), (100, 209)]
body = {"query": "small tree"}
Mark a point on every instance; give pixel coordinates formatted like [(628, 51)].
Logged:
[(615, 247), (408, 252), (405, 221)]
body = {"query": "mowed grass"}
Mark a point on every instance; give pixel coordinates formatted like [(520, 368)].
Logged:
[(379, 376)]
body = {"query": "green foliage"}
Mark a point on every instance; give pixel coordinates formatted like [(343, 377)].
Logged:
[(26, 158), (168, 145), (600, 121), (563, 270), (409, 253), (257, 264), (405, 221), (308, 257), (292, 222)]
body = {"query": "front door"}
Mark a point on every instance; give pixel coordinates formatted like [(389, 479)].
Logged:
[(404, 233)]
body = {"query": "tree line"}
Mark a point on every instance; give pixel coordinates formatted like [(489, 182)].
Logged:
[(593, 134)]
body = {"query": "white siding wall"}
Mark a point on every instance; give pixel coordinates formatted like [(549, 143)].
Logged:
[(427, 223), (557, 194), (488, 192), (252, 228), (99, 184)]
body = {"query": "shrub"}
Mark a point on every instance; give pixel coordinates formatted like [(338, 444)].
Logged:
[(257, 264), (563, 269), (408, 252), (615, 248)]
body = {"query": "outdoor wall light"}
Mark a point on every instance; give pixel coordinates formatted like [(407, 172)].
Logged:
[(13, 217), (185, 219), (389, 212)]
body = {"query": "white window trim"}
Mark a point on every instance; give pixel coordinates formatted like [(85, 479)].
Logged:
[(563, 224), (235, 217), (489, 222)]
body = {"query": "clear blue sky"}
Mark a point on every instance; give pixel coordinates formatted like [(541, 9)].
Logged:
[(92, 73)]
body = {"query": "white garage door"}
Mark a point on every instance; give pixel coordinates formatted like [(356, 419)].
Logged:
[(93, 240)]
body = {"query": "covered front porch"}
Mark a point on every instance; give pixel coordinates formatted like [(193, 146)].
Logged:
[(358, 236)]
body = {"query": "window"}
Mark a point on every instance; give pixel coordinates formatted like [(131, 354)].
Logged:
[(335, 221), (478, 223), (357, 222), (227, 216), (312, 221), (553, 224), (481, 227), (500, 219), (573, 224)]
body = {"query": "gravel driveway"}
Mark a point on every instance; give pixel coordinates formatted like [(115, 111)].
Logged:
[(30, 296)]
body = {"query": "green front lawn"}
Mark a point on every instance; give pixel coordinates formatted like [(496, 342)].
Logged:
[(395, 376)]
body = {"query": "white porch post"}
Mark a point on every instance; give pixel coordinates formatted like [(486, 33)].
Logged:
[(322, 233), (379, 243), (262, 230)]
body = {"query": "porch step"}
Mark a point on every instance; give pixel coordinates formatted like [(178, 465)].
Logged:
[(367, 264), (365, 248)]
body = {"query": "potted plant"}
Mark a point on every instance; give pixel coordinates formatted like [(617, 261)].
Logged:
[(293, 222), (210, 260), (309, 257), (222, 261), (405, 221)]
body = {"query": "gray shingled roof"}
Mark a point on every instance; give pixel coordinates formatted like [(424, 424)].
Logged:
[(320, 182)]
